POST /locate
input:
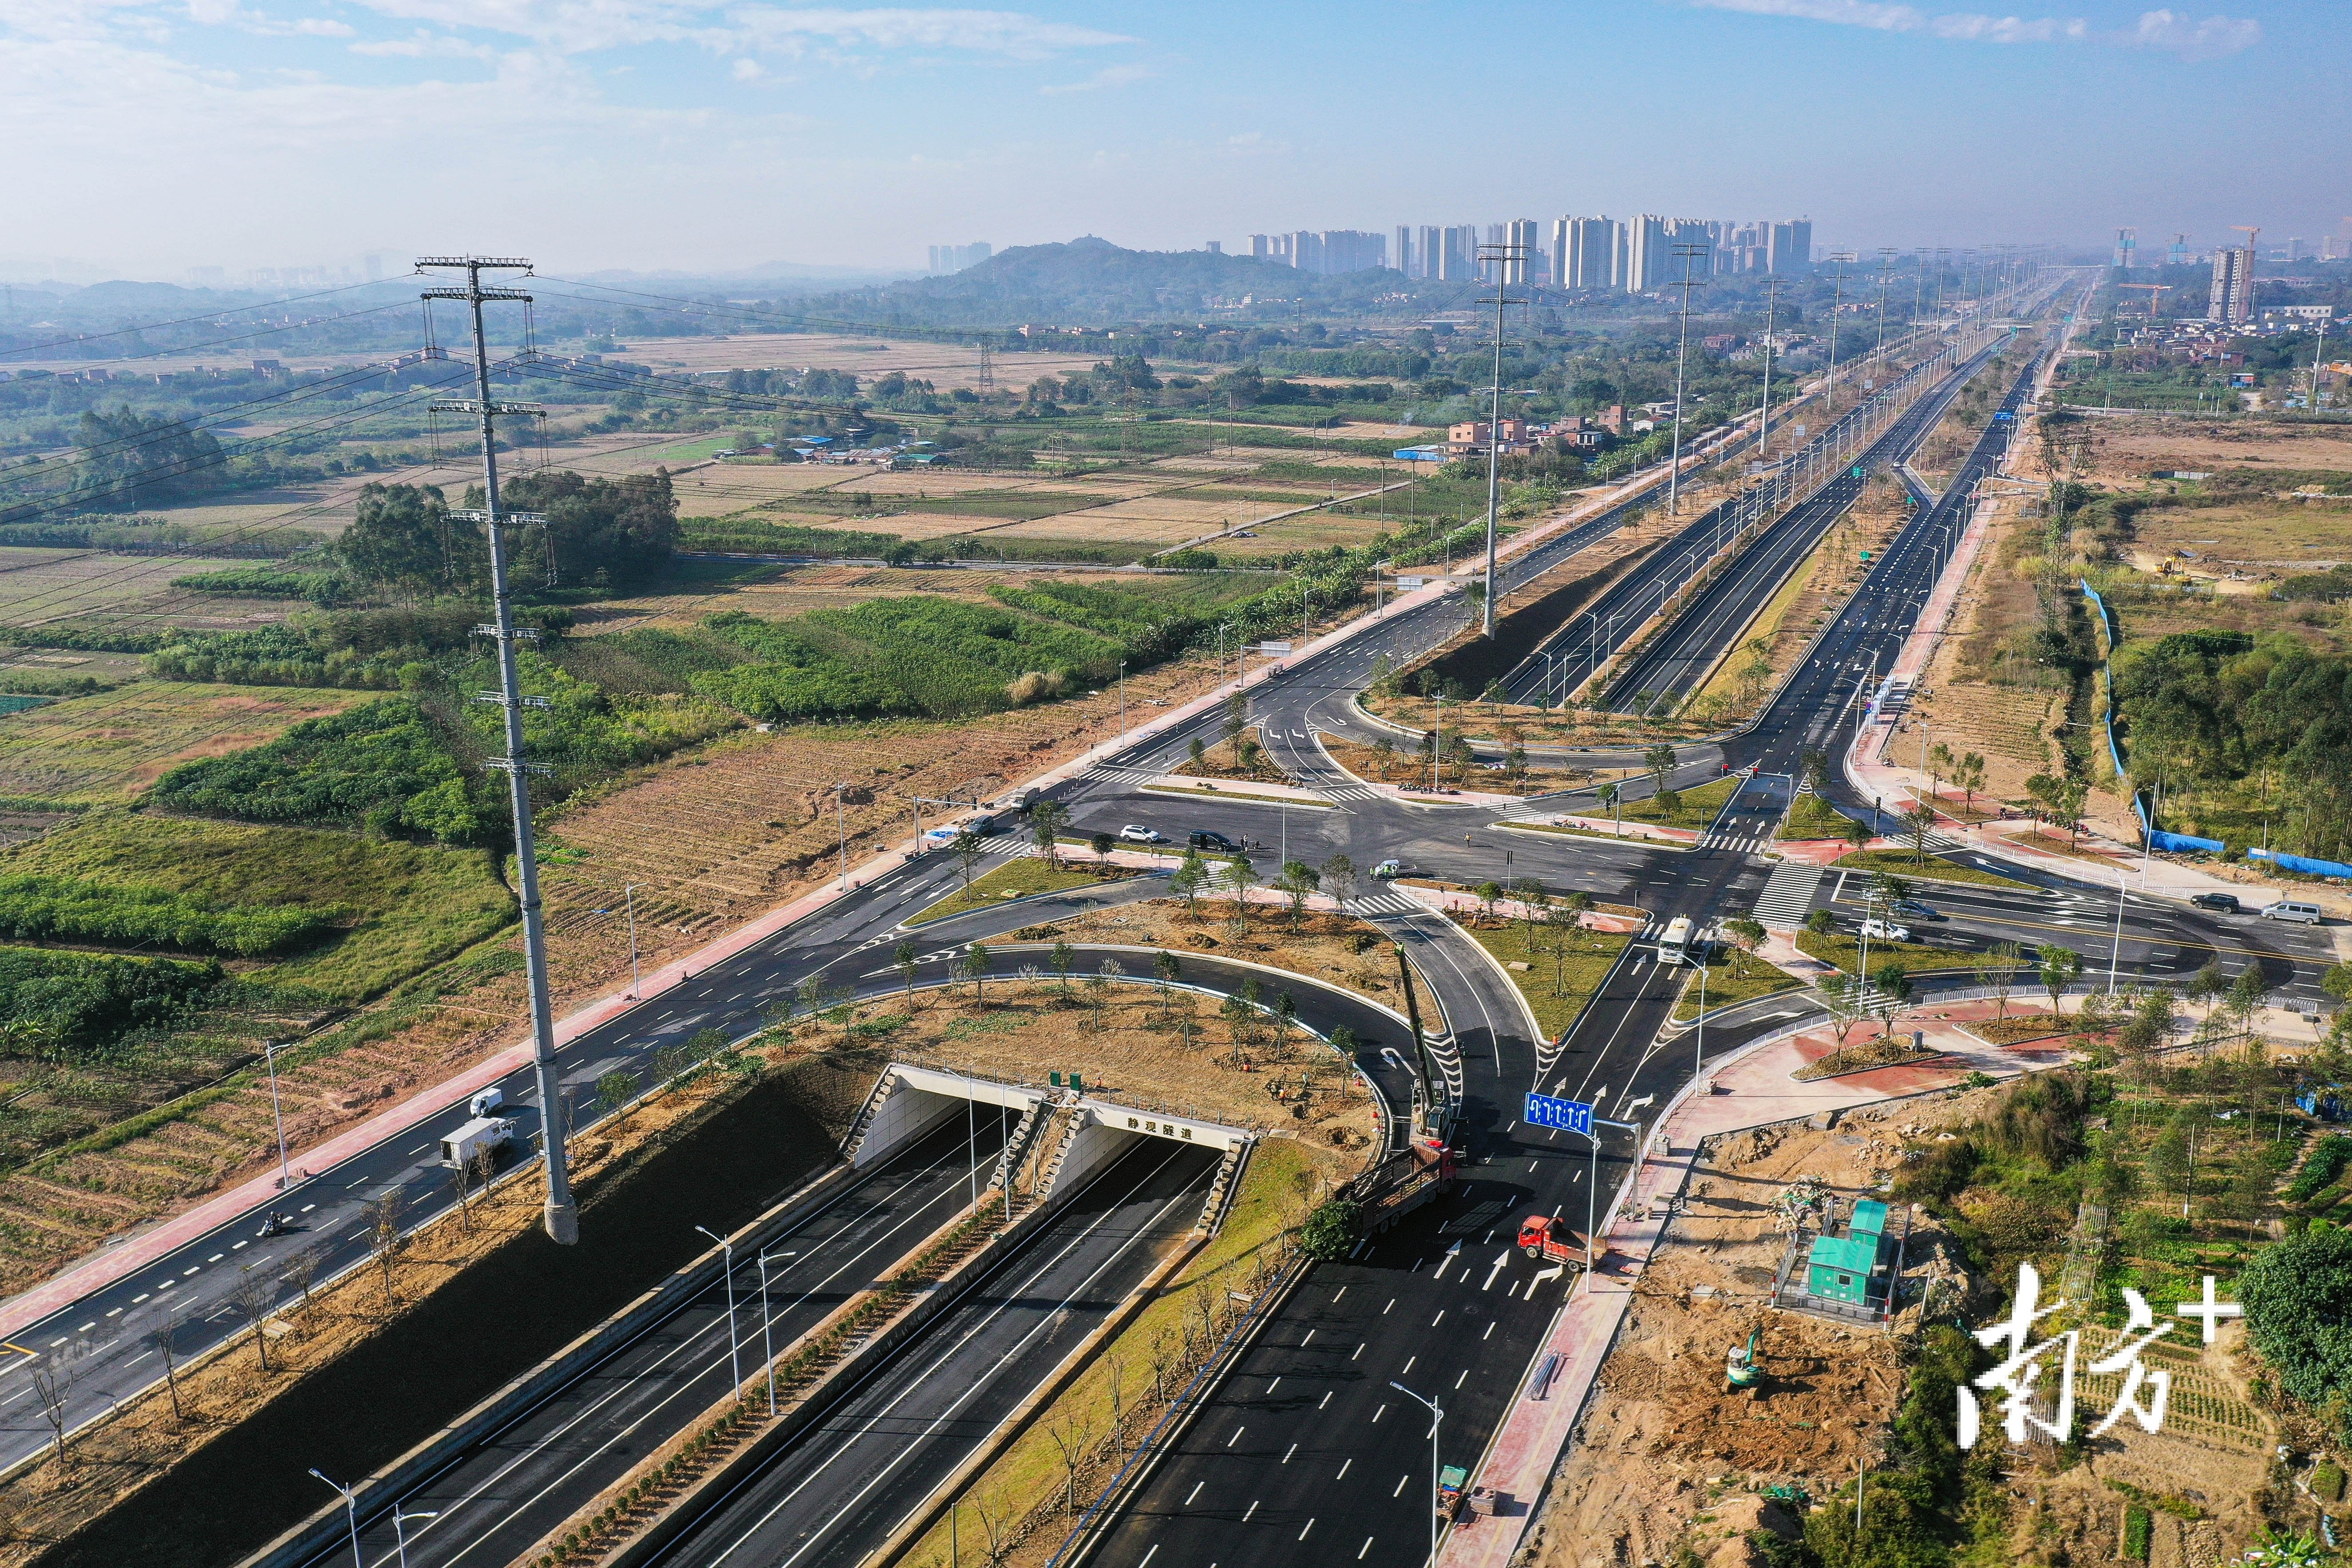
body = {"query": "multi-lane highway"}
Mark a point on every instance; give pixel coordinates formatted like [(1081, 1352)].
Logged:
[(1306, 1448)]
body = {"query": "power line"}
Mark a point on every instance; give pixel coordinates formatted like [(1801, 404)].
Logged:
[(185, 321), (239, 338)]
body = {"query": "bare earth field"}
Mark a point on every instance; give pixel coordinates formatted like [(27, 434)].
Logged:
[(1667, 1460), (2122, 453)]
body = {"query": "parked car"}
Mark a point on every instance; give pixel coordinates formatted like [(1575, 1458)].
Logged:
[(2294, 909), (1136, 833), (2226, 903), (1202, 839), (1916, 910), (1886, 930)]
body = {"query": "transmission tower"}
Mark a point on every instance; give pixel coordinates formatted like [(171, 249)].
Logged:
[(1685, 254), (1509, 261), (987, 369), (561, 1216)]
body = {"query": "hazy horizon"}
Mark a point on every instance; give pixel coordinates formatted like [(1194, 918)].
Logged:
[(670, 135)]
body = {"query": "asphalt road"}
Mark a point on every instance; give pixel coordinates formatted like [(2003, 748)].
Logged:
[(500, 1497), (839, 1492), (1620, 1053), (1673, 663)]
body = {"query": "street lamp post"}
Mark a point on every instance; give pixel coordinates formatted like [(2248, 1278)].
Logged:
[(270, 1049), (629, 896), (351, 1510), (734, 1348), (1436, 1419), (400, 1530), (767, 1327), (2115, 952)]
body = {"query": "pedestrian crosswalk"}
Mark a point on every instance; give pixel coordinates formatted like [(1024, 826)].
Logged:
[(1386, 903), (1788, 895), (1745, 837)]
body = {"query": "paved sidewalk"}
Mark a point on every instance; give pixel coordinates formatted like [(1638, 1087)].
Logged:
[(1751, 1088), (1612, 830)]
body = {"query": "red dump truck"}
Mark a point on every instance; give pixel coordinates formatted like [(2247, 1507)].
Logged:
[(1553, 1240)]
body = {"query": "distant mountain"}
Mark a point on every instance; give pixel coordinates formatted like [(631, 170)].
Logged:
[(1090, 281)]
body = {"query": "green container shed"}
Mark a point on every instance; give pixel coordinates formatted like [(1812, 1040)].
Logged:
[(1839, 1268)]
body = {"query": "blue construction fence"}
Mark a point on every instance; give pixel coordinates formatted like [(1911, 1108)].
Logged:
[(2303, 863), (2107, 659), (2170, 843)]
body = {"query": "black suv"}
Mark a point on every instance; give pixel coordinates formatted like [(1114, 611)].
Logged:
[(2225, 902), (1201, 838)]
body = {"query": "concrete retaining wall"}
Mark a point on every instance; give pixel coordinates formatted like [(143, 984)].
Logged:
[(919, 1099)]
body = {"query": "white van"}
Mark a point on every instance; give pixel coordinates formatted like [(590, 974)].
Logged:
[(491, 1133), (486, 1102), (2293, 910)]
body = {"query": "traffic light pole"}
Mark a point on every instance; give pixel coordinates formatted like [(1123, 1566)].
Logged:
[(561, 1214)]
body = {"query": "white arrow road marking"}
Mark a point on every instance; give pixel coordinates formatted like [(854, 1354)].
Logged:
[(1637, 1104), (1499, 1261), (1554, 1272), (1451, 1253)]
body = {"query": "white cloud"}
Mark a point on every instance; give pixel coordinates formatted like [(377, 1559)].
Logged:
[(1109, 76), (1012, 33), (749, 69), (425, 45), (2207, 39)]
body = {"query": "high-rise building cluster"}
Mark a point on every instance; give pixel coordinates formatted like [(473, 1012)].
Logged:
[(1636, 254), (956, 257), (1323, 251)]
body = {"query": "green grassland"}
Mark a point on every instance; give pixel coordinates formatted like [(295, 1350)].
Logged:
[(394, 908), (1015, 880), (1697, 808), (1554, 983)]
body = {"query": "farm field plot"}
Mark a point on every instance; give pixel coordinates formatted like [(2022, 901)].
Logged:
[(107, 747), (944, 365), (2290, 534), (394, 908), (796, 590), (40, 586)]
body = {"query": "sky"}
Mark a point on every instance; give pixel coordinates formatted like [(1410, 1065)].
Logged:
[(148, 137)]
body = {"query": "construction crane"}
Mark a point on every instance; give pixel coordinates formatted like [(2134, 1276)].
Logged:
[(2154, 291), (2252, 233)]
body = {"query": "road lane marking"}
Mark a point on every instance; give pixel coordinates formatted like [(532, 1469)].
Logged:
[(1368, 1542), (1236, 1437), (1302, 1534), (1343, 1467), (1490, 1331), (1253, 1509), (1287, 1458), (1327, 1398), (1188, 1500), (1275, 1385), (1465, 1373), (1378, 1413), (1408, 1365), (1400, 1491), (1360, 1349), (1439, 1319)]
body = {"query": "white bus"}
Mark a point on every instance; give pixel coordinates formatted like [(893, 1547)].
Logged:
[(1674, 946)]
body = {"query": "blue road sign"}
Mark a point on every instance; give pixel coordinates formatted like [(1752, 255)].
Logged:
[(1568, 1115), (2004, 413)]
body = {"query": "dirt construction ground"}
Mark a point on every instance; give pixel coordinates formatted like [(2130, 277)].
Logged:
[(1666, 1460)]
